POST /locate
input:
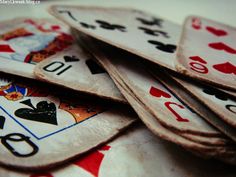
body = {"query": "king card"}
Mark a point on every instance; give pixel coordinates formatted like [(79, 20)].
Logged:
[(25, 42)]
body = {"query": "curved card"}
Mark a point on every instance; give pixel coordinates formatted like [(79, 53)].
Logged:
[(42, 126), (24, 42), (133, 154), (196, 102), (207, 51), (216, 100), (76, 69), (143, 34)]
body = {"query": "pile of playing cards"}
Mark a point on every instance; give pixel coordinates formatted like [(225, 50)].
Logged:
[(69, 87)]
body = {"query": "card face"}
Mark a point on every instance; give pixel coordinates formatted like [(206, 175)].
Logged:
[(40, 126), (76, 69), (143, 34), (24, 42), (207, 51), (194, 99), (216, 100), (133, 154)]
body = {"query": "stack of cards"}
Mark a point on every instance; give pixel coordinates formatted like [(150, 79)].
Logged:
[(85, 83)]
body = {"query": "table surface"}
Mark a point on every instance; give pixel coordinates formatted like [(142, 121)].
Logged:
[(174, 10)]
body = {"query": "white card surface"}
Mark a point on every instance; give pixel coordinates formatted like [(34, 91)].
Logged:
[(143, 34), (207, 51), (74, 68)]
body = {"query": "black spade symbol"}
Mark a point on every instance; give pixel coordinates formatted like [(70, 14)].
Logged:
[(44, 112)]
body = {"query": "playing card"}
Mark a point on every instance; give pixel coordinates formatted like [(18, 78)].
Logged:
[(43, 126), (207, 51), (215, 100), (25, 42), (196, 101), (74, 68), (134, 154), (143, 34)]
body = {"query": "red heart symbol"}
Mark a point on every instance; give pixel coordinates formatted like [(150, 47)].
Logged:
[(222, 46), (217, 32), (226, 68), (197, 58), (6, 48), (196, 23), (158, 93)]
